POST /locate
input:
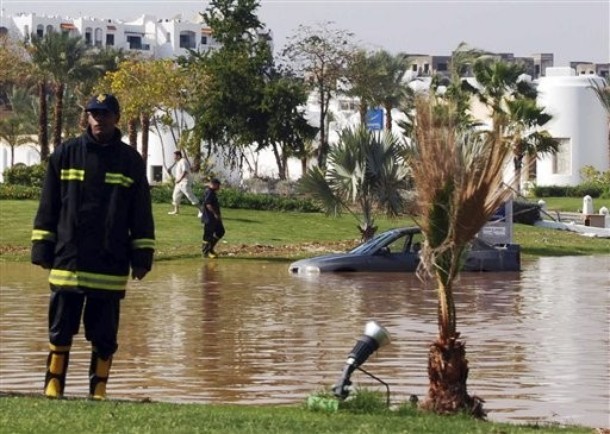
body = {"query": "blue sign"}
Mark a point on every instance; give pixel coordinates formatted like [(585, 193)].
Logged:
[(374, 119)]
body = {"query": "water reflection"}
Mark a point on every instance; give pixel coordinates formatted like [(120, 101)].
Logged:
[(248, 332)]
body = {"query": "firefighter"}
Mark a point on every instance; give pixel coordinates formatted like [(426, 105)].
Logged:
[(94, 226)]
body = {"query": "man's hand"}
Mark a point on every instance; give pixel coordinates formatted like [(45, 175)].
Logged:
[(138, 273)]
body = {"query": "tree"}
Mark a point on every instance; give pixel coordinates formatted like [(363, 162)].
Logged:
[(365, 171), (288, 130), (14, 131), (512, 102), (15, 67), (58, 55), (363, 75), (321, 55), (391, 91), (161, 86), (229, 114), (458, 178)]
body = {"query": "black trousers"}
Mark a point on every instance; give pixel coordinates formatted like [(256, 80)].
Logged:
[(100, 318), (213, 230)]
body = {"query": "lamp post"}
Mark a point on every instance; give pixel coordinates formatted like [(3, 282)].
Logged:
[(375, 336)]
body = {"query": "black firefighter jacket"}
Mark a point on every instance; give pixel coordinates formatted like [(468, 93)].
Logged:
[(94, 220)]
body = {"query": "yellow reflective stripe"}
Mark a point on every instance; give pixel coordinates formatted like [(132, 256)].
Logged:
[(59, 348), (39, 234), (88, 280), (143, 243), (72, 175), (118, 178)]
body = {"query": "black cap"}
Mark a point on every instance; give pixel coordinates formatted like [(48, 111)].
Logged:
[(215, 181), (104, 101)]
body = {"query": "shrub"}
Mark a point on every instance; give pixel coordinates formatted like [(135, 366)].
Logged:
[(19, 192), (592, 189), (20, 174), (234, 198)]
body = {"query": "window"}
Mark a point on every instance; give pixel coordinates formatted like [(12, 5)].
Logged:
[(88, 36), (426, 68), (168, 37), (204, 40), (187, 39), (135, 42), (157, 173), (40, 31), (441, 66), (562, 160), (109, 39)]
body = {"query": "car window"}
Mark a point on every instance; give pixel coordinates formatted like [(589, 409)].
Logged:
[(416, 243), (374, 243), (398, 245)]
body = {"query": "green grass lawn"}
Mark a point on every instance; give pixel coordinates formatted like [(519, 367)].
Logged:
[(570, 204), (272, 234), (39, 415)]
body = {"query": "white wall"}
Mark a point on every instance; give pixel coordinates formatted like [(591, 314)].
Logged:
[(580, 119)]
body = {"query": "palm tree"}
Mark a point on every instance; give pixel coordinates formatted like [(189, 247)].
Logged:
[(390, 90), (17, 127), (512, 101), (14, 131), (58, 55), (363, 74), (458, 178), (365, 172)]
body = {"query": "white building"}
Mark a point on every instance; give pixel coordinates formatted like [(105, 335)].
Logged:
[(147, 35), (579, 122)]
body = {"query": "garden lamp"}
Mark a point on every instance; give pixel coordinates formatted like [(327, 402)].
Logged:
[(374, 337)]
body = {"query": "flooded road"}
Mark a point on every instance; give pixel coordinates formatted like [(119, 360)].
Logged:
[(248, 332)]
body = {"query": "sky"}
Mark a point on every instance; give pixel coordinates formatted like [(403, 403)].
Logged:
[(574, 30)]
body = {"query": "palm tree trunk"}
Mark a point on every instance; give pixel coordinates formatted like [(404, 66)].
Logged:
[(145, 122), (388, 117), (322, 150), (59, 109), (448, 374), (362, 110), (43, 133)]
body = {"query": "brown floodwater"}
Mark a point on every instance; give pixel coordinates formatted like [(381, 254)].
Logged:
[(248, 332)]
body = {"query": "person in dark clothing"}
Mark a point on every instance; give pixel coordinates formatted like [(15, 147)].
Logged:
[(93, 226), (213, 229)]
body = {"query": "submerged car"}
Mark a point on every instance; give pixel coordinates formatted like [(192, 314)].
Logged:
[(398, 250)]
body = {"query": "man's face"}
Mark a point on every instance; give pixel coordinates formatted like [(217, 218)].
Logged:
[(102, 123)]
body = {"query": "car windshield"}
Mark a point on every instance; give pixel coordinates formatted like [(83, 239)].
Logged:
[(383, 239)]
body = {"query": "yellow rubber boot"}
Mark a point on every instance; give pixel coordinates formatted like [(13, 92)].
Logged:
[(99, 370), (57, 368)]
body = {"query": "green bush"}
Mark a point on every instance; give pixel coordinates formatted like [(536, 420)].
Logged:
[(581, 190), (234, 198), (20, 174), (19, 192)]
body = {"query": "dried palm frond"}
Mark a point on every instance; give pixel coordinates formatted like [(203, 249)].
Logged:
[(459, 182)]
